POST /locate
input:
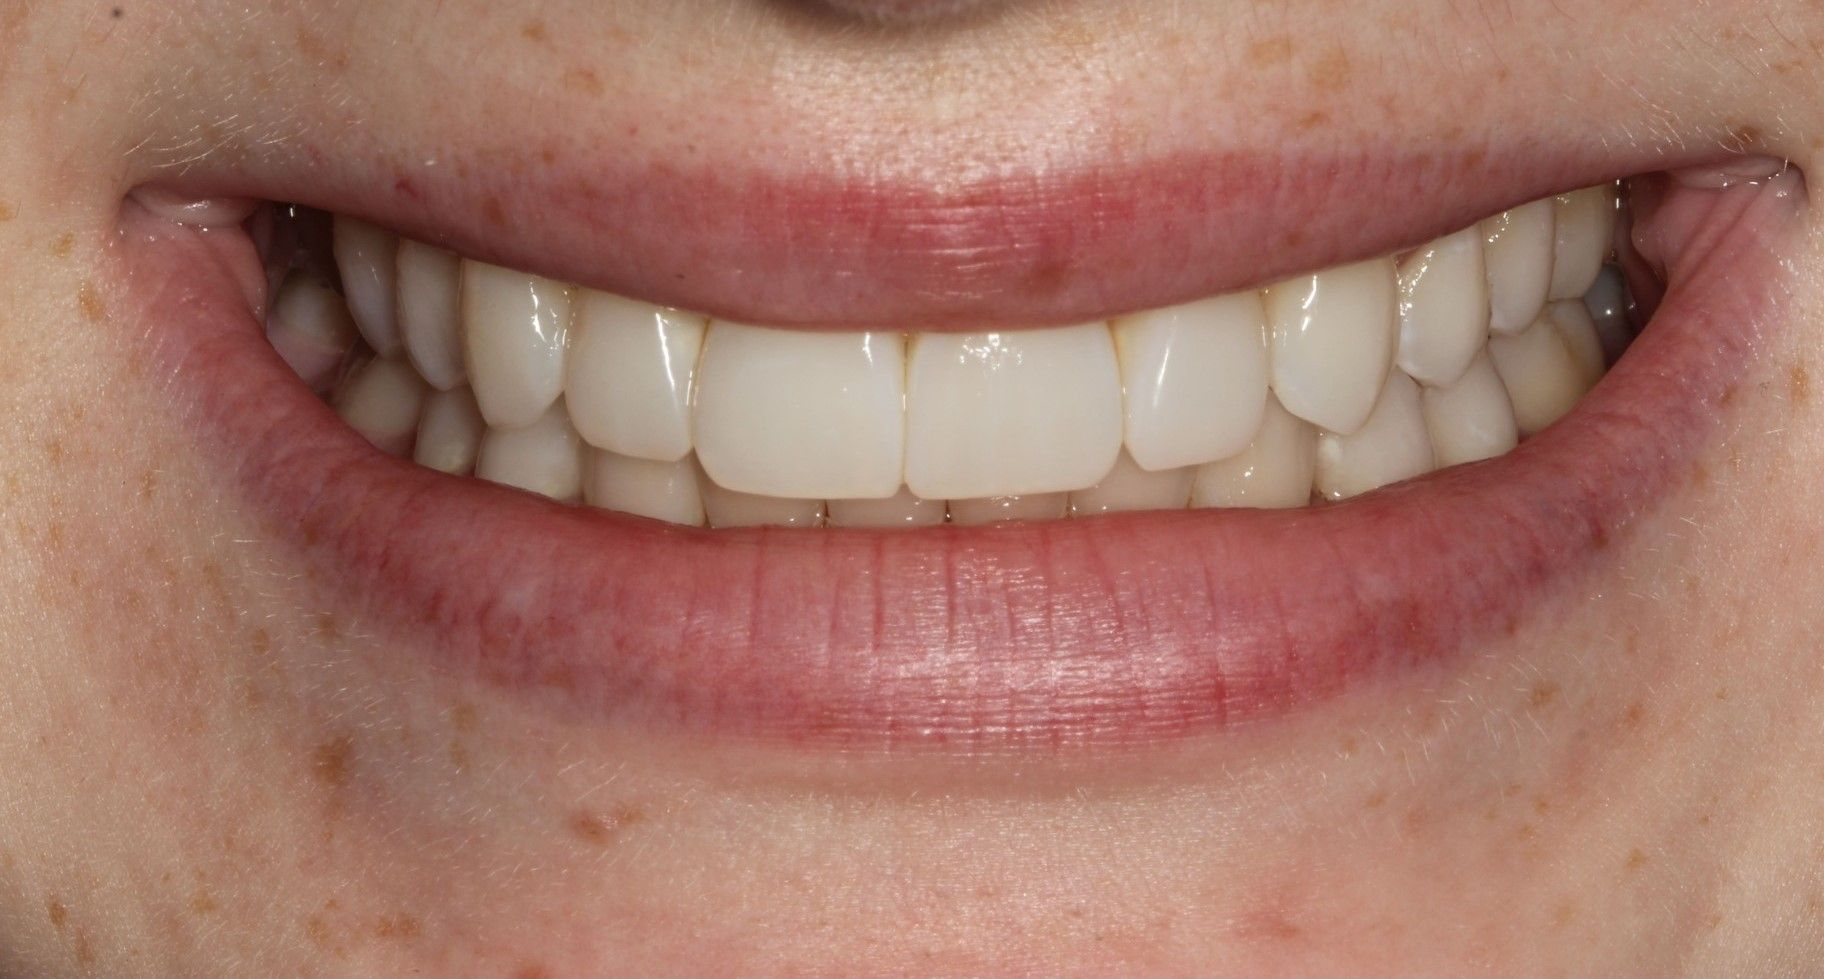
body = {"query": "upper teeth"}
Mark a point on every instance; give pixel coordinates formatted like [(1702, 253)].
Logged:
[(1335, 383)]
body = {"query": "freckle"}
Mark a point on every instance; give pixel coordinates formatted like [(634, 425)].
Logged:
[(1722, 693), (89, 302), (1727, 398), (1312, 120), (464, 717), (1633, 716), (1375, 801), (7, 213), (331, 760), (1542, 694), (53, 451), (584, 80), (1270, 51), (1331, 72), (1564, 913), (1799, 383), (599, 829), (532, 971), (328, 627), (64, 244), (318, 930), (260, 641), (400, 927), (534, 30), (1636, 860), (1599, 539), (58, 913), (203, 904)]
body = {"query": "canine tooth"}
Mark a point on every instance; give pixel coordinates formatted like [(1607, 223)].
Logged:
[(1391, 447), (429, 312), (1195, 378), (1031, 506), (1011, 414), (381, 400), (1542, 379), (1443, 307), (1129, 487), (802, 414), (660, 490), (1333, 340), (899, 510), (728, 508), (1609, 305), (629, 375), (1519, 255), (311, 329), (1578, 330), (1275, 471), (514, 330), (365, 256), (545, 457), (1471, 419), (1585, 233), (449, 432)]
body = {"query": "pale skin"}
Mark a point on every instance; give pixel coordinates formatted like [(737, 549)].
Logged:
[(211, 768)]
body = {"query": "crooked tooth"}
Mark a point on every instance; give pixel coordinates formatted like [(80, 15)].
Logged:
[(429, 312), (1519, 255), (629, 375), (311, 329), (1195, 378), (1542, 379), (1391, 447), (728, 508), (365, 256), (382, 400), (514, 329), (796, 413), (1031, 506), (1471, 419), (1129, 487), (1585, 233), (899, 510), (1443, 307), (544, 457), (1011, 414), (1610, 307), (449, 432), (1275, 471), (1578, 331), (660, 490), (1333, 339)]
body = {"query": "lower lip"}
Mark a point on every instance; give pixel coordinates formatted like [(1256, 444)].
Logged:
[(1116, 631)]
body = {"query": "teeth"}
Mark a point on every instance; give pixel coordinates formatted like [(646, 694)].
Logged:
[(381, 400), (1391, 447), (802, 414), (1129, 487), (429, 314), (365, 256), (727, 508), (1585, 222), (1034, 506), (1472, 419), (1275, 471), (514, 330), (1609, 306), (1578, 331), (1443, 307), (1519, 256), (630, 372), (1011, 414), (665, 491), (1542, 379), (1333, 339), (899, 510), (311, 329), (545, 457), (1196, 379), (449, 432)]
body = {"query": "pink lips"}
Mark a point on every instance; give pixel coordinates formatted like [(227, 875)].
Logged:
[(1114, 631)]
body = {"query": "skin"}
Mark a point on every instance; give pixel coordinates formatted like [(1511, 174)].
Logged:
[(212, 768)]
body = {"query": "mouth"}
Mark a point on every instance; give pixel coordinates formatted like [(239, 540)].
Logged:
[(1044, 518)]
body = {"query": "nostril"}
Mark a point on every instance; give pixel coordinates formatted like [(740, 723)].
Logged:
[(907, 11)]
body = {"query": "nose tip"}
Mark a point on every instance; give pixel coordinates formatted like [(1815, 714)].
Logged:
[(906, 11)]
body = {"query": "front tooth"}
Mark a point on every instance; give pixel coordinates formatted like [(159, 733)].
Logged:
[(1542, 379), (1443, 307), (1333, 339), (382, 400), (1519, 256), (629, 377), (1610, 307), (365, 256), (1129, 487), (899, 510), (449, 432), (1011, 414), (1275, 471), (1393, 445), (804, 414), (1585, 221), (514, 328), (660, 490), (311, 329), (1196, 379), (1472, 419), (1031, 506), (545, 457), (1578, 331), (728, 508), (429, 301)]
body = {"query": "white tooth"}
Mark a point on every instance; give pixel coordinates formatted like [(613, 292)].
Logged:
[(514, 329), (310, 328), (802, 414), (1585, 221), (1578, 330), (545, 457), (1275, 471), (727, 508), (1032, 506), (1333, 340), (1542, 379), (1195, 377), (381, 400), (1472, 419), (1129, 487), (365, 256), (429, 310), (1011, 414), (449, 432), (629, 375), (1391, 447), (900, 510), (1443, 307), (1519, 256), (1609, 304), (665, 491)]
